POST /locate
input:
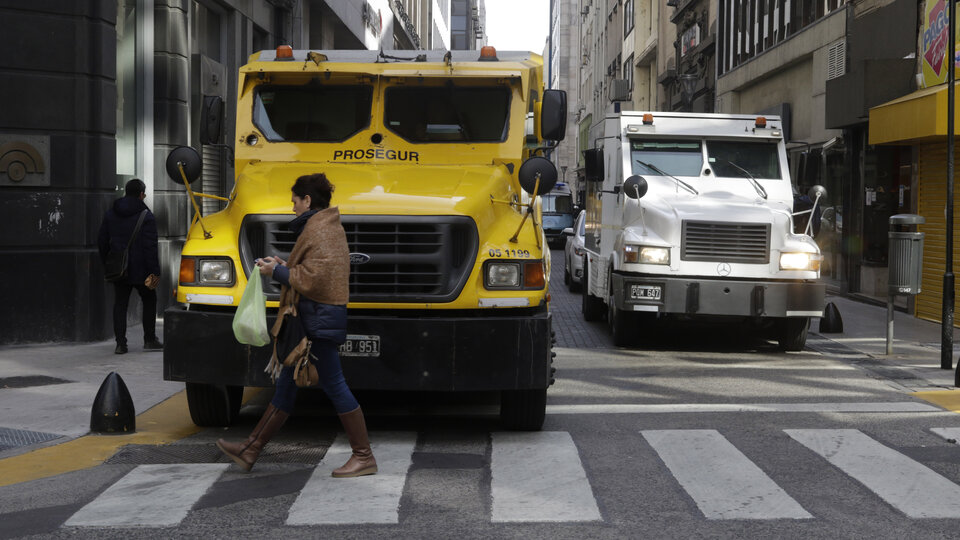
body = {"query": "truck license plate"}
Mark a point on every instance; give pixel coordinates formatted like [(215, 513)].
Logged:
[(359, 345), (645, 292)]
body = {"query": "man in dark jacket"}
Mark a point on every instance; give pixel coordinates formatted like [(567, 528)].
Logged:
[(143, 266)]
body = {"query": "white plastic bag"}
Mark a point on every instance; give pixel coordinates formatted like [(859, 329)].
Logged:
[(250, 320)]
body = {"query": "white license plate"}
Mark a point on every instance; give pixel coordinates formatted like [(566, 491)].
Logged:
[(357, 345), (645, 292)]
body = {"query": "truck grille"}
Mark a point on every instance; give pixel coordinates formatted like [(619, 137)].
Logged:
[(722, 241), (408, 258)]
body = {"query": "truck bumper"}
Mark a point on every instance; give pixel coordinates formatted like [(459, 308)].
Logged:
[(692, 296), (505, 352)]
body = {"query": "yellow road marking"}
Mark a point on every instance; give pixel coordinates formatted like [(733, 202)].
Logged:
[(164, 423), (948, 399)]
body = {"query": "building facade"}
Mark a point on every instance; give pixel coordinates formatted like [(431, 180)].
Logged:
[(90, 122), (563, 70)]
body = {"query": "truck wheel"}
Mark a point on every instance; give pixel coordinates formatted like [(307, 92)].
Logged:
[(591, 306), (793, 333), (213, 404), (566, 276), (523, 410), (623, 324)]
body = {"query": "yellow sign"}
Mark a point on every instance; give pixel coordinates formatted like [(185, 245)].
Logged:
[(934, 45)]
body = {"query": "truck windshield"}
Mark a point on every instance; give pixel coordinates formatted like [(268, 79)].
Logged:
[(312, 113), (679, 158), (735, 159), (448, 114), (557, 204)]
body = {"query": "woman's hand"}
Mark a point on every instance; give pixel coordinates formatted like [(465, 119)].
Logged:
[(267, 264)]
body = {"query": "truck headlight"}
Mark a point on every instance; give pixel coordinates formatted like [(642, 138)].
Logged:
[(215, 272), (206, 271), (503, 275), (800, 261), (516, 275), (646, 254)]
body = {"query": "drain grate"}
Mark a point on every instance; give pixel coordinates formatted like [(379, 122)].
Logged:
[(30, 380), (15, 438), (144, 454)]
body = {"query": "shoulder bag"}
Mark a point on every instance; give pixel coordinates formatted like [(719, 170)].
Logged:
[(115, 267)]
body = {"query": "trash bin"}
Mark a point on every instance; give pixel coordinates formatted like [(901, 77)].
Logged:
[(906, 255)]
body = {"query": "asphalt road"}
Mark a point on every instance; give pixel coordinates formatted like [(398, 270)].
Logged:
[(705, 431)]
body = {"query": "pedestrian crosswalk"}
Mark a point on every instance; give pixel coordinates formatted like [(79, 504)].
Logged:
[(542, 477)]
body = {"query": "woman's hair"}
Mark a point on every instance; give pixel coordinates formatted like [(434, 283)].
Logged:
[(317, 187)]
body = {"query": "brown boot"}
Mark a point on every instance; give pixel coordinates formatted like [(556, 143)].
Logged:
[(245, 454), (362, 461)]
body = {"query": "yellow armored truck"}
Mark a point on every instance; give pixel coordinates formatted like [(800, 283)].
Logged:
[(437, 161)]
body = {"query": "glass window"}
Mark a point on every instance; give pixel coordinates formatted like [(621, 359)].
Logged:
[(735, 159), (557, 204), (312, 113), (678, 158), (126, 89), (448, 114)]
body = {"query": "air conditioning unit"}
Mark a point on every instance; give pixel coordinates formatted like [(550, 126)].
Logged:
[(619, 90)]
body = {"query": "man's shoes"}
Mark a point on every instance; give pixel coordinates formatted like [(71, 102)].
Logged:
[(151, 345), (121, 348)]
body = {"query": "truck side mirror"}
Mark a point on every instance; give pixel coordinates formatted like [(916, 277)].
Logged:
[(533, 168), (553, 115), (593, 164), (189, 159), (817, 191), (635, 187), (211, 120)]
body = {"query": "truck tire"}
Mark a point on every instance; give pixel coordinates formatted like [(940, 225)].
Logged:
[(623, 326), (591, 306), (213, 404), (792, 335), (523, 410)]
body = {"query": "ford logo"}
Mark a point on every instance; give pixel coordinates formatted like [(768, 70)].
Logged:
[(359, 258)]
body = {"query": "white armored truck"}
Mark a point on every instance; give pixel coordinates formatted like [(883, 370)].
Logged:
[(691, 216)]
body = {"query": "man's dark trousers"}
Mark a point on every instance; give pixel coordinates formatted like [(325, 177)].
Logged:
[(121, 300)]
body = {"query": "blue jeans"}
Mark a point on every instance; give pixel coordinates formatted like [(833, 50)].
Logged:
[(328, 367)]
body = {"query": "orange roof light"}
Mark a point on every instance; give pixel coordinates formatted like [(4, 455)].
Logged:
[(761, 122), (488, 54), (284, 52), (647, 119)]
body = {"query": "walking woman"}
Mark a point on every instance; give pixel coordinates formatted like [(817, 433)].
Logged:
[(315, 280)]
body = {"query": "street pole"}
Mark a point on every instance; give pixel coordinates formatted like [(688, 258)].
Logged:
[(946, 325)]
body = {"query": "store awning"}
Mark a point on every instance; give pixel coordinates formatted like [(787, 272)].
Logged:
[(917, 117)]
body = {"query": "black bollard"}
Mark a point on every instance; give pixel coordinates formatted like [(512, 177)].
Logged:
[(831, 322), (113, 408)]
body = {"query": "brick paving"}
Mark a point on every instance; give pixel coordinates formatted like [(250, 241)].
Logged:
[(568, 324)]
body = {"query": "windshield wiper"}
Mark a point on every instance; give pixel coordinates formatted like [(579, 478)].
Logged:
[(656, 169), (756, 185)]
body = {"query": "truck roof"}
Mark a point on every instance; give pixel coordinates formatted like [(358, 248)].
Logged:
[(392, 56)]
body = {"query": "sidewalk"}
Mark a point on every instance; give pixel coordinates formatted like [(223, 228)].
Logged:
[(916, 343), (37, 408)]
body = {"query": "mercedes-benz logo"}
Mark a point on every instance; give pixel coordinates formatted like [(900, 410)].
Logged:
[(724, 269), (359, 258)]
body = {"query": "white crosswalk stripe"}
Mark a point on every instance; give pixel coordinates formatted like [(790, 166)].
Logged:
[(149, 496), (367, 499), (905, 484), (722, 481), (538, 477)]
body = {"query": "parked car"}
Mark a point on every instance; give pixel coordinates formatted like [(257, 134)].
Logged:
[(573, 254)]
